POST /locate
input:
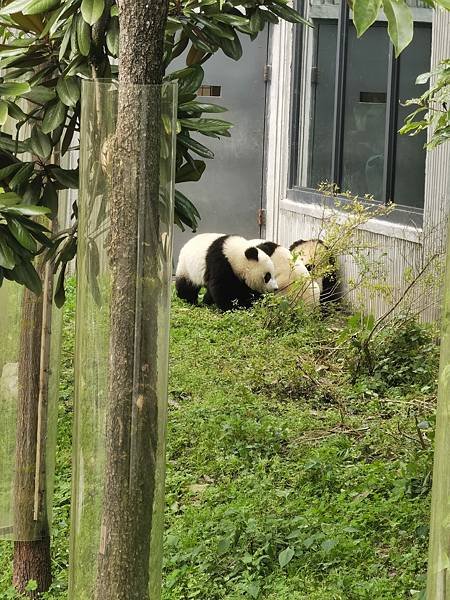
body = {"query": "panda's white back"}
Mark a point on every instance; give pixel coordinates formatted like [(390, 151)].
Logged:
[(192, 258)]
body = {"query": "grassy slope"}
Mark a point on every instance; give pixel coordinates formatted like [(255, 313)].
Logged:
[(266, 463)]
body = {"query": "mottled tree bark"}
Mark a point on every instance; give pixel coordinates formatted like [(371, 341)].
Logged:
[(32, 553), (132, 414)]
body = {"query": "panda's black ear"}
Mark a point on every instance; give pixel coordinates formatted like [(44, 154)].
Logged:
[(251, 253)]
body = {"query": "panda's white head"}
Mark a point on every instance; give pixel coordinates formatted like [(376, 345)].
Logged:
[(251, 265)]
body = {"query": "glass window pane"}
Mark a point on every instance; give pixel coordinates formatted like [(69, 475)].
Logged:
[(365, 111), (410, 155), (322, 102)]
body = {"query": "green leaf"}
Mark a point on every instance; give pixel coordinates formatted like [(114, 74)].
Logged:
[(7, 259), (68, 136), (233, 20), (3, 112), (190, 172), (60, 293), (9, 199), (256, 21), (22, 175), (10, 170), (50, 197), (92, 10), (328, 545), (423, 78), (40, 94), (288, 14), (54, 115), (189, 79), (201, 107), (400, 23), (65, 43), (66, 177), (14, 7), (232, 48), (365, 13), (36, 7), (26, 274), (285, 557), (22, 235), (14, 88), (68, 90), (217, 126), (223, 546), (10, 145), (40, 143), (112, 37), (83, 36), (185, 211), (29, 210), (31, 585), (15, 112), (253, 589), (194, 146)]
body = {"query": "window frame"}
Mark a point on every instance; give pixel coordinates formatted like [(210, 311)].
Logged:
[(304, 53)]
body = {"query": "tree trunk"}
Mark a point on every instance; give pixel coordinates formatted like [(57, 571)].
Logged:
[(132, 415), (32, 553)]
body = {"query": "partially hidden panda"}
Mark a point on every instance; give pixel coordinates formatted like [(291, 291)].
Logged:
[(292, 276), (317, 259), (234, 273)]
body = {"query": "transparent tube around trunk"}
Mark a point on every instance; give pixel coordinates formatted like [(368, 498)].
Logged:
[(122, 324), (29, 373), (438, 582)]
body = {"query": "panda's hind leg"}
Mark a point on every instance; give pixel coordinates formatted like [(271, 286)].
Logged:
[(186, 290)]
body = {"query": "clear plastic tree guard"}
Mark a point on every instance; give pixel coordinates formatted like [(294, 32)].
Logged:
[(438, 584), (28, 407), (127, 166)]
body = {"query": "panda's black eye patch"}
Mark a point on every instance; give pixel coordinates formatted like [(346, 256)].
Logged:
[(267, 277)]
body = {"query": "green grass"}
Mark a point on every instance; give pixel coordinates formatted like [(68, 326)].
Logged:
[(289, 478)]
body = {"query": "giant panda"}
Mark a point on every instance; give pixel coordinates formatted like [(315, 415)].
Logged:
[(234, 273), (315, 254), (288, 271)]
